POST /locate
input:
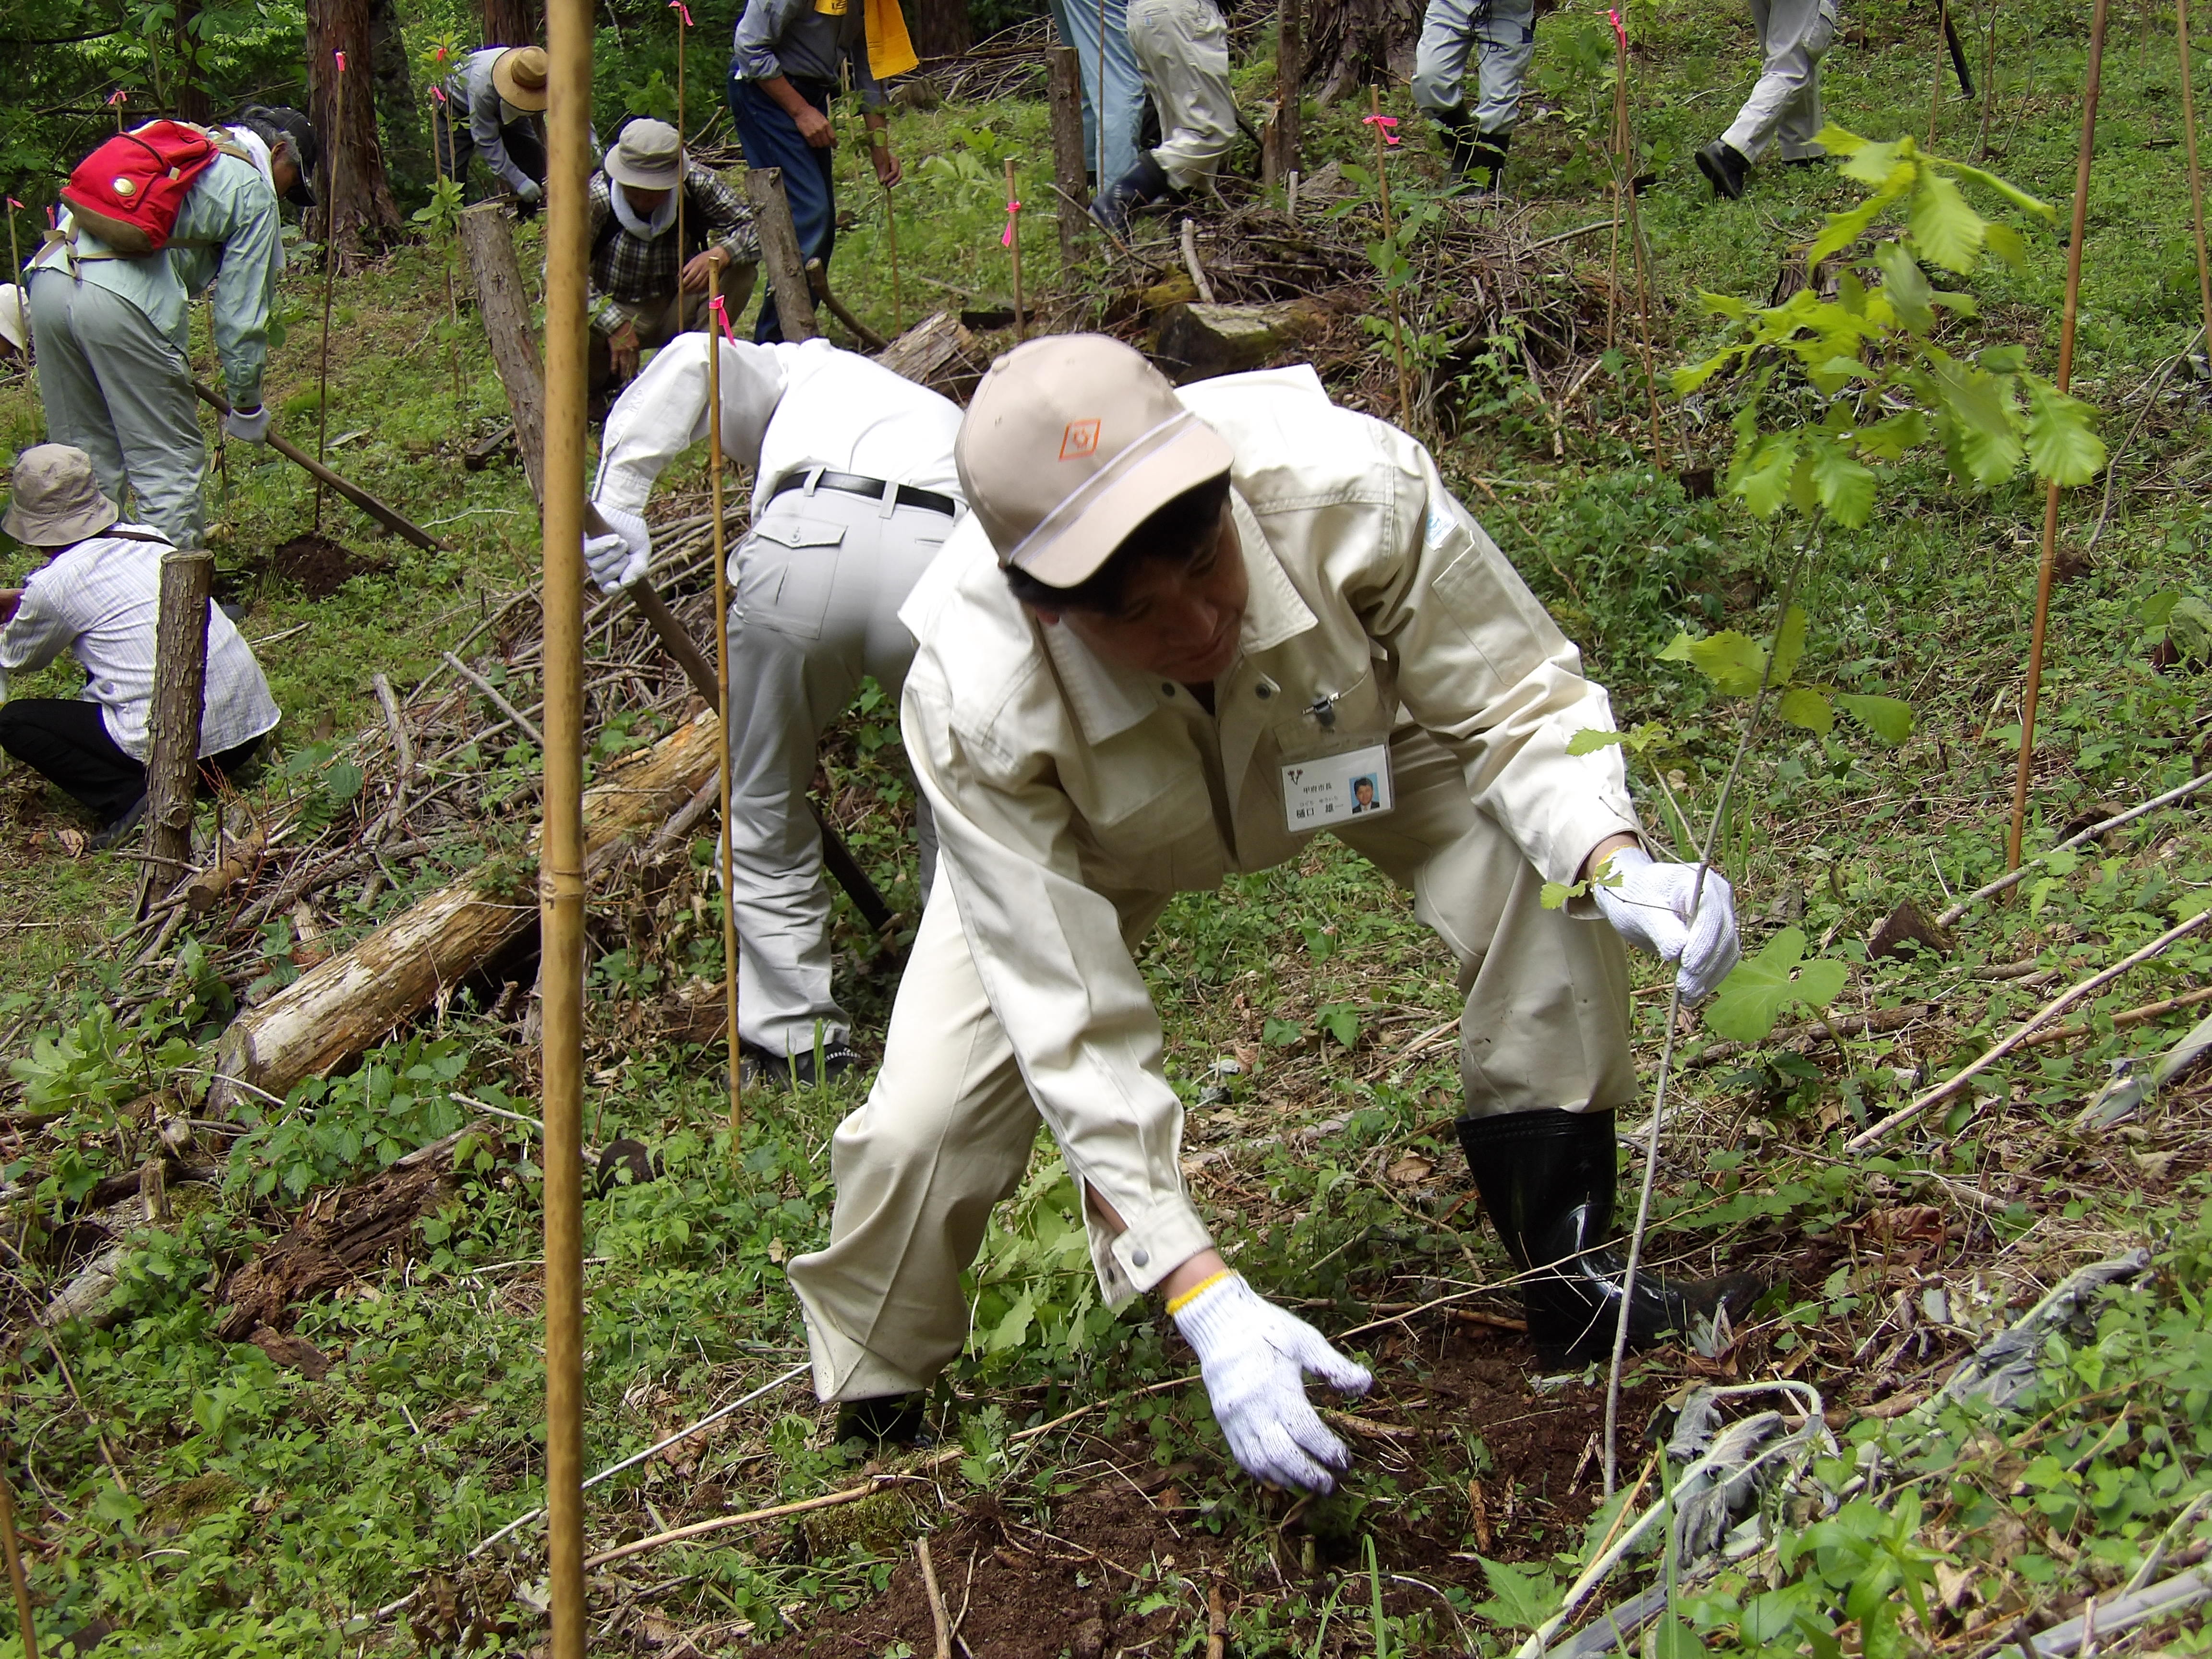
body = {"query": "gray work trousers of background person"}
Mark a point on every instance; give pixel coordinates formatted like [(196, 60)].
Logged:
[(1500, 34), (1182, 47), (1794, 35), (118, 388), (816, 588)]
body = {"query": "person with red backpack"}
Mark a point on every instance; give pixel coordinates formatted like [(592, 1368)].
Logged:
[(154, 217)]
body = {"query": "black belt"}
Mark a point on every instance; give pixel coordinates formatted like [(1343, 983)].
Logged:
[(851, 484)]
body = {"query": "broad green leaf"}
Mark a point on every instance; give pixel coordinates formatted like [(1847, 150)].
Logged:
[(2001, 239), (2002, 359), (1846, 485), (1724, 305), (1688, 378), (1789, 645), (1887, 439), (1555, 894), (1763, 481), (1590, 739), (1889, 719), (1980, 424), (1839, 141), (1905, 287), (1872, 164), (1844, 228), (1804, 492), (1341, 1021), (1732, 661), (1279, 1033), (1752, 997), (1801, 706), (2062, 446), (1945, 230), (1521, 1598), (2012, 192)]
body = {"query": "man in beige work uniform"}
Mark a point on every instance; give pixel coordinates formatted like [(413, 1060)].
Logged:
[(1174, 633)]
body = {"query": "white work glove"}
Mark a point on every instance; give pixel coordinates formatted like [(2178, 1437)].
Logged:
[(623, 554), (248, 426), (1254, 1358), (1649, 907), (530, 192)]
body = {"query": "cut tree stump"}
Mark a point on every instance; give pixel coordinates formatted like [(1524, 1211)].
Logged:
[(939, 352), (504, 303), (779, 255), (342, 1005), (1197, 341)]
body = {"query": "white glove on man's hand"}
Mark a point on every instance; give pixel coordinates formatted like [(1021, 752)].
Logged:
[(623, 554), (1254, 1358), (248, 426), (1649, 907)]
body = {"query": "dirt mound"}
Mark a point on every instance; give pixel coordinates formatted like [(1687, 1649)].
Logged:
[(320, 566)]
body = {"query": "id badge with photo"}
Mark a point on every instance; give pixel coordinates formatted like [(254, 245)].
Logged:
[(1319, 791)]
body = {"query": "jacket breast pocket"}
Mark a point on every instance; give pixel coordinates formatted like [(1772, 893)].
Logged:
[(786, 573)]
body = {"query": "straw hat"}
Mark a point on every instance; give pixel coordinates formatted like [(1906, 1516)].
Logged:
[(519, 73), (57, 503)]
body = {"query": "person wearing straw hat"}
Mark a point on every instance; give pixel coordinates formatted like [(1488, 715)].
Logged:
[(492, 111), (1500, 35), (98, 596), (1783, 110), (1176, 633), (784, 66), (644, 289), (113, 373), (855, 491)]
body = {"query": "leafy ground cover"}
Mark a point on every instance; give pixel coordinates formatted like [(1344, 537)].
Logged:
[(328, 1482)]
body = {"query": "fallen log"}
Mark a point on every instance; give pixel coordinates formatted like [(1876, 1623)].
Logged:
[(1198, 341), (342, 1005)]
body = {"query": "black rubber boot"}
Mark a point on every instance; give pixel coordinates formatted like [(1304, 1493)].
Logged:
[(1547, 1180), (1724, 167), (1486, 162), (890, 1419), (1144, 183)]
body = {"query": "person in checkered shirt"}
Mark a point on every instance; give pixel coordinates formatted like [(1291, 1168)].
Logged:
[(98, 596), (644, 291)]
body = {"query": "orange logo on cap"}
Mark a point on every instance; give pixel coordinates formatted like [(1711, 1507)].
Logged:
[(1079, 439)]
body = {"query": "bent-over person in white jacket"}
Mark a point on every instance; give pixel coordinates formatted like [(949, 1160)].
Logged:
[(855, 491), (1178, 636)]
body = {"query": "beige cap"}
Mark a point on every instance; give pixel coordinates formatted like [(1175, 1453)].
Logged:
[(56, 503), (1071, 442), (647, 155), (519, 75)]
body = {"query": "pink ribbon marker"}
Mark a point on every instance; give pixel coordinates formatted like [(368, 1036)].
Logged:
[(438, 93), (1386, 123), (683, 11), (117, 98), (1620, 33), (341, 57), (13, 202), (1007, 239), (721, 311)]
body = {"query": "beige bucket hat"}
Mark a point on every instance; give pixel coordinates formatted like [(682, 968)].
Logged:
[(55, 502), (1071, 443), (647, 155), (520, 74)]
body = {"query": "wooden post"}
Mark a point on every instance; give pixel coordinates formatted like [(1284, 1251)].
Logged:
[(173, 763), (1064, 90), (2195, 174), (1279, 153), (683, 18), (779, 241), (891, 232), (1014, 250), (504, 305), (561, 881), (715, 323), (16, 1583), (2067, 318), (330, 293)]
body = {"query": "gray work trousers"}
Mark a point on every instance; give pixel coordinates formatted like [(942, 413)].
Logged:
[(1500, 34), (118, 388), (1793, 37), (947, 1131), (1182, 48), (816, 588)]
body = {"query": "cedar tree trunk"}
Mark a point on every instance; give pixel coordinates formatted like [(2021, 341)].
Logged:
[(511, 22), (1354, 43), (407, 147), (940, 27), (357, 209), (192, 97)]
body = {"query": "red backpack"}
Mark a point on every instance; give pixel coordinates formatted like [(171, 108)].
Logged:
[(129, 191)]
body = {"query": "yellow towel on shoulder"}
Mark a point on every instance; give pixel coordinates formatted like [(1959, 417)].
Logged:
[(889, 51)]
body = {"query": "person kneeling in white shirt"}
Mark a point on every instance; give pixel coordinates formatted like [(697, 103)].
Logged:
[(99, 596), (1177, 634), (854, 491)]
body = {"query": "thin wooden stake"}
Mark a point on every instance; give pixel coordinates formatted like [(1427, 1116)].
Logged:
[(330, 288), (891, 231), (1390, 242), (1942, 50), (717, 320), (1989, 83), (1625, 193), (561, 891), (2092, 87), (1104, 182), (683, 18), (2195, 174), (15, 1579), (1014, 249)]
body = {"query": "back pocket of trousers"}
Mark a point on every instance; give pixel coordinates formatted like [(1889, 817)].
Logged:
[(787, 572)]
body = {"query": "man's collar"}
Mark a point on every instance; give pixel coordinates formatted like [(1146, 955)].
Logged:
[(1109, 699)]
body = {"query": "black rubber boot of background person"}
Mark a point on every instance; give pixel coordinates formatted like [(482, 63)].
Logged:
[(1460, 136), (1486, 161), (1144, 183), (1548, 1179), (890, 1419), (1724, 168)]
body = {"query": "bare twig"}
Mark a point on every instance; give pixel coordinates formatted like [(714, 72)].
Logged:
[(491, 693), (937, 1616), (2015, 877)]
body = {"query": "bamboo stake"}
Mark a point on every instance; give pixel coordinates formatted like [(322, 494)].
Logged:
[(1098, 115), (683, 18), (717, 322), (222, 449), (330, 288), (2093, 85), (1014, 250), (1625, 193), (890, 229), (2195, 174), (1389, 241), (1989, 84), (15, 1579), (560, 879)]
